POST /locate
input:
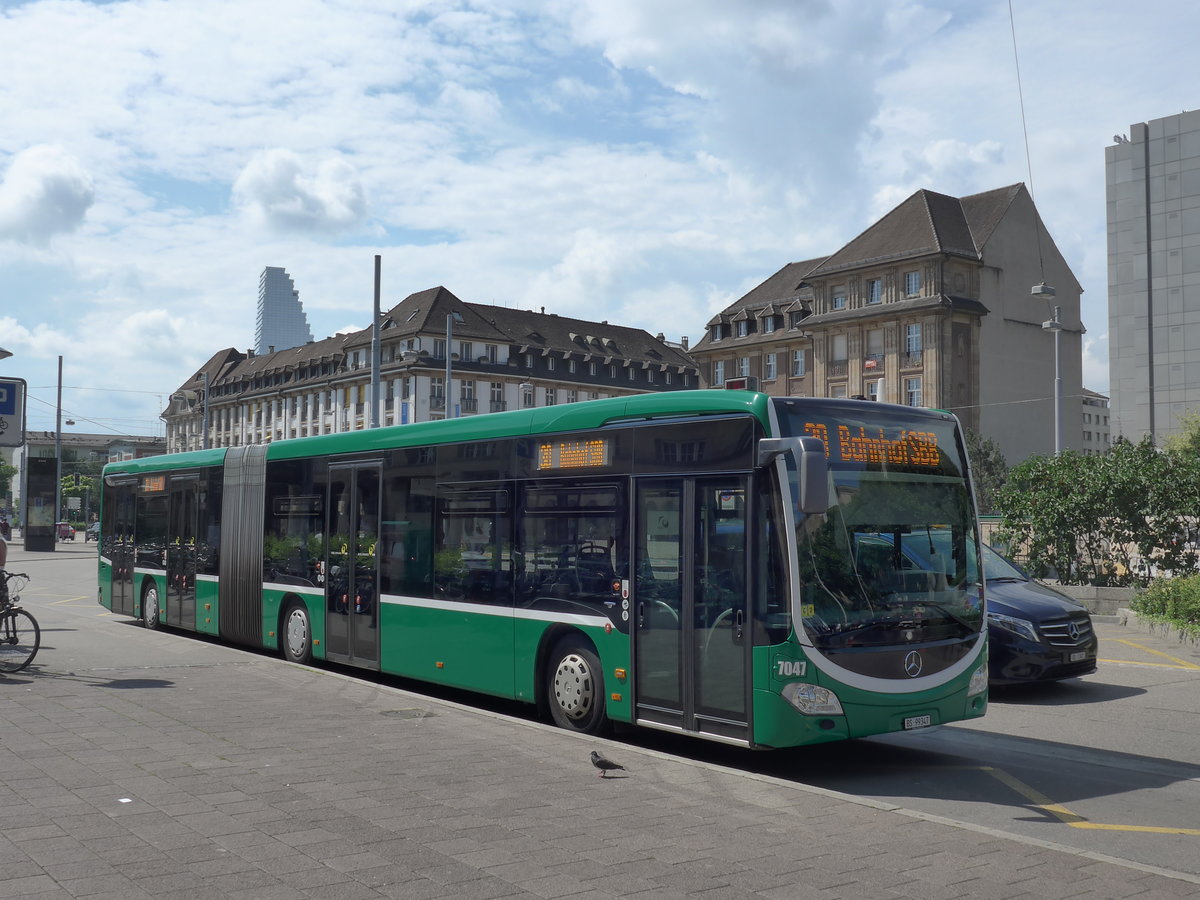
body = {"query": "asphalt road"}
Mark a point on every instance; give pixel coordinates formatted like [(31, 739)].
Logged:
[(1109, 763)]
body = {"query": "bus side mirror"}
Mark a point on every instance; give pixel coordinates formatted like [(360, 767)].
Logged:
[(814, 475), (812, 469)]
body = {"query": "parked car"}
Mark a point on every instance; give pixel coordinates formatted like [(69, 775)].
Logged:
[(92, 533), (1035, 633), (64, 531)]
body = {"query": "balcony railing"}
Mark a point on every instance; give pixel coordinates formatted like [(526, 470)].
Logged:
[(873, 362), (838, 367), (469, 404), (437, 401), (499, 405), (911, 360)]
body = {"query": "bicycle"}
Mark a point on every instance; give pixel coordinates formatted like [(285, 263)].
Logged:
[(20, 634)]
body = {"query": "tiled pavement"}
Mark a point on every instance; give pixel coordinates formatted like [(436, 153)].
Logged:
[(259, 779)]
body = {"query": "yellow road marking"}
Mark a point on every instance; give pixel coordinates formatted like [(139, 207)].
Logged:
[(1067, 817), (69, 600), (1181, 663), (1130, 662)]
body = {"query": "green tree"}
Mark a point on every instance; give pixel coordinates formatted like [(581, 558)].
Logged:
[(988, 468), (1187, 440), (1104, 519), (6, 476)]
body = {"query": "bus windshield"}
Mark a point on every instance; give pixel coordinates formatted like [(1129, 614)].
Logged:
[(898, 485)]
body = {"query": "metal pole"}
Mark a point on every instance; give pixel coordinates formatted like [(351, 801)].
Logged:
[(449, 335), (1058, 388), (204, 419), (375, 355), (58, 454)]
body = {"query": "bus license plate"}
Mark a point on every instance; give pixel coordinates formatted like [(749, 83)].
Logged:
[(917, 722), (1079, 656)]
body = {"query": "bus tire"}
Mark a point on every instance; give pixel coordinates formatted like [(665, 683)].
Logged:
[(296, 634), (151, 611), (575, 687)]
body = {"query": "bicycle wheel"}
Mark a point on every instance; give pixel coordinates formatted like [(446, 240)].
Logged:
[(20, 638)]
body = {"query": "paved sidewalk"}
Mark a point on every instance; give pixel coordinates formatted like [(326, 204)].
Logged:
[(171, 782)]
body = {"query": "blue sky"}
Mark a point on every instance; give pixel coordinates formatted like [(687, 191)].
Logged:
[(641, 161)]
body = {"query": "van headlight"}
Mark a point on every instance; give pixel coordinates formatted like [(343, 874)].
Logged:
[(979, 681), (812, 700), (1022, 627)]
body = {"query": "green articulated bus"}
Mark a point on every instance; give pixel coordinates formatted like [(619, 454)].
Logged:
[(693, 561)]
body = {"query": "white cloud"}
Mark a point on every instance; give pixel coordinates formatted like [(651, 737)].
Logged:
[(45, 192), (274, 190)]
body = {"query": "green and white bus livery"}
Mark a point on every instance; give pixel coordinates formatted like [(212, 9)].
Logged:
[(694, 561)]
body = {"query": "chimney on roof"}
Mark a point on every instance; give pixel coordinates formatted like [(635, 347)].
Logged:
[(270, 348), (250, 353), (683, 342), (659, 337)]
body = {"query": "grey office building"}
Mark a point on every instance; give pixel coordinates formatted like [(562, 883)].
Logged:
[(1153, 192), (281, 320)]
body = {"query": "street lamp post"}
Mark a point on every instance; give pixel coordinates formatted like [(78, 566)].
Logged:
[(1054, 325), (58, 453)]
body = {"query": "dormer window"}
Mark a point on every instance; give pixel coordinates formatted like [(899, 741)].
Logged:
[(769, 324), (838, 297), (745, 328), (715, 332)]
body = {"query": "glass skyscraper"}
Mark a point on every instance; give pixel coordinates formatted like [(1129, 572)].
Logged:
[(281, 320)]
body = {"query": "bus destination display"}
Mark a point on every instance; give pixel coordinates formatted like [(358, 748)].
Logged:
[(585, 454), (876, 445)]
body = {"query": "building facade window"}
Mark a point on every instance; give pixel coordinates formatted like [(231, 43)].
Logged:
[(798, 363), (875, 290), (769, 365), (768, 325), (875, 389), (439, 348), (572, 396), (526, 395), (838, 297), (491, 352), (912, 340), (912, 283), (719, 373), (714, 332), (912, 391), (466, 350), (743, 328), (743, 366)]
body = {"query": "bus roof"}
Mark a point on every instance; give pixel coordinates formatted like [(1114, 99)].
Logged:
[(542, 420)]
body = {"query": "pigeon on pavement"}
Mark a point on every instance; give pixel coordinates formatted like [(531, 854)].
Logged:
[(605, 765)]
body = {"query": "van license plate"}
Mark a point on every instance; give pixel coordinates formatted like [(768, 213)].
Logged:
[(917, 722), (1079, 656)]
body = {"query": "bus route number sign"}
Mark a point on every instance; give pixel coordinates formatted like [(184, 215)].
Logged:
[(876, 445), (589, 453)]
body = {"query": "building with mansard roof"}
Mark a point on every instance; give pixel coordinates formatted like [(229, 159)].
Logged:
[(500, 359), (929, 306)]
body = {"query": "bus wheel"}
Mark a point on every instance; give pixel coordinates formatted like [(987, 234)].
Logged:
[(297, 634), (150, 611), (575, 688)]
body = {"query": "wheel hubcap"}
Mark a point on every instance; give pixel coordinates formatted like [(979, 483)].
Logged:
[(573, 687), (152, 605), (297, 633)]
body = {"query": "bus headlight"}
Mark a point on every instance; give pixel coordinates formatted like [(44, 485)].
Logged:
[(979, 681), (812, 700)]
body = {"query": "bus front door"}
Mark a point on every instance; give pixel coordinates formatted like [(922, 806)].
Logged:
[(352, 565), (116, 535), (691, 634)]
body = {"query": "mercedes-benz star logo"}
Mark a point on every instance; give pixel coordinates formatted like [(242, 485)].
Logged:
[(1073, 631), (913, 664)]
